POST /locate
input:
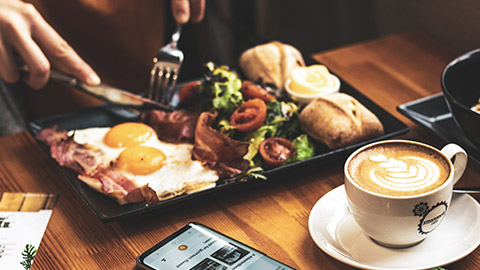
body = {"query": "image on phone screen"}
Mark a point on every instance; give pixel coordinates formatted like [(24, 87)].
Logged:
[(197, 247)]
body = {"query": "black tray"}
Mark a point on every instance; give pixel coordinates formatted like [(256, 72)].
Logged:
[(108, 115), (432, 112)]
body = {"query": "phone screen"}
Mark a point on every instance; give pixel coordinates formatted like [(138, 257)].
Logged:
[(196, 247)]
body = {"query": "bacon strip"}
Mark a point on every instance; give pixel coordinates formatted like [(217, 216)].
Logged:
[(89, 163), (218, 151), (116, 185), (173, 126), (51, 135), (79, 157)]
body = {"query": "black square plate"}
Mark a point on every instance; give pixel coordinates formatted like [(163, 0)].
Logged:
[(108, 115)]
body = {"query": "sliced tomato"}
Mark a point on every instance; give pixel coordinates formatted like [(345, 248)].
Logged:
[(249, 116), (251, 90), (275, 151), (188, 92)]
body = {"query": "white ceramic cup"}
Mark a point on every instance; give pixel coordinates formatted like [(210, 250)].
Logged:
[(403, 221)]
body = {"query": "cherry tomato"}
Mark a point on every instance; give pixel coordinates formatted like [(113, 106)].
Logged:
[(249, 116), (188, 92), (251, 90), (275, 151)]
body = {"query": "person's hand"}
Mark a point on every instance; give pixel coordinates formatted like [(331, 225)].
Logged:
[(24, 31), (188, 10)]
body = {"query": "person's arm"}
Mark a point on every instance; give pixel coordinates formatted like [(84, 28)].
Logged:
[(24, 31)]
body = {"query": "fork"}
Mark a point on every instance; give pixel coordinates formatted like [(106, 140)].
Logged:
[(164, 73)]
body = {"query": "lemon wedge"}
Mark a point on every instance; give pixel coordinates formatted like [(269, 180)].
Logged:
[(311, 80)]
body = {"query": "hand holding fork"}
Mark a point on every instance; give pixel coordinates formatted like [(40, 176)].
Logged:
[(165, 70)]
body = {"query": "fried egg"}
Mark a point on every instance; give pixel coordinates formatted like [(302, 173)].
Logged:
[(134, 149)]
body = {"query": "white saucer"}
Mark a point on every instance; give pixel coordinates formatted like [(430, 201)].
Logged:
[(335, 231)]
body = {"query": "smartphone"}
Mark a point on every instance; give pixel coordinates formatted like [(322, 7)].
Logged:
[(197, 247)]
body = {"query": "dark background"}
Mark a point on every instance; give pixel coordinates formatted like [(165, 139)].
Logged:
[(232, 26)]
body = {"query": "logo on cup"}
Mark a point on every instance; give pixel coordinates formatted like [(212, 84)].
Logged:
[(430, 217)]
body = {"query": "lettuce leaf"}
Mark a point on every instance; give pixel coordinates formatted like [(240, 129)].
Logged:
[(281, 121), (284, 115), (225, 87), (256, 137), (304, 147)]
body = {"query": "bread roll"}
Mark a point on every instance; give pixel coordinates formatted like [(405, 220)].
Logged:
[(272, 62), (338, 120)]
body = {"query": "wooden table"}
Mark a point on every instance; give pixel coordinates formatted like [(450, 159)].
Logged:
[(274, 217)]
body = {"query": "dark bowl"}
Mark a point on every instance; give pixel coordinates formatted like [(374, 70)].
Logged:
[(461, 88)]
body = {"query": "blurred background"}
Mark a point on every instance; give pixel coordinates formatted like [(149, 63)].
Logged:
[(313, 26)]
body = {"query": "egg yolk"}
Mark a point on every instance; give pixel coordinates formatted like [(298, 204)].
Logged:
[(141, 160), (127, 134)]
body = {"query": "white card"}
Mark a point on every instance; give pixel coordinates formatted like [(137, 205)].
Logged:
[(20, 237), (23, 220)]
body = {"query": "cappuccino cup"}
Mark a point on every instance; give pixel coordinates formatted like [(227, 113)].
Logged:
[(399, 191)]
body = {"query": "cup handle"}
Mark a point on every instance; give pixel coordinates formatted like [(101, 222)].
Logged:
[(452, 150)]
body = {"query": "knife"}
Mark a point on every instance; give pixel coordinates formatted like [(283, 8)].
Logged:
[(102, 91)]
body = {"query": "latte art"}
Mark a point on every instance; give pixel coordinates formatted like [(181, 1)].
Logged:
[(396, 174), (397, 169)]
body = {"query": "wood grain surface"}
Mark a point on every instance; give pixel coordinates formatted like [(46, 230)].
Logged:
[(272, 217)]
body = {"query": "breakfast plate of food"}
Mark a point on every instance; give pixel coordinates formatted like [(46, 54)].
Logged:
[(228, 129)]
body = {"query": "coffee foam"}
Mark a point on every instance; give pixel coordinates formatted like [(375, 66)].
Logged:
[(399, 169)]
